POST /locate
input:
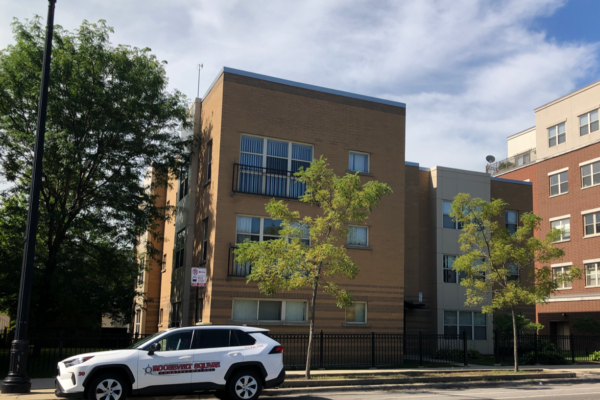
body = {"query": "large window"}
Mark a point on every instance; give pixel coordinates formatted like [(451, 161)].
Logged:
[(512, 220), (269, 310), (358, 236), (558, 272), (356, 313), (588, 123), (590, 174), (255, 229), (564, 225), (474, 324), (592, 274), (591, 224), (559, 183), (180, 240), (358, 162), (448, 221), (267, 166), (557, 134)]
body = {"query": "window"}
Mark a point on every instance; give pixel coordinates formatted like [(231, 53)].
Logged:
[(164, 263), (588, 123), (592, 274), (474, 324), (557, 272), (356, 313), (512, 220), (138, 318), (269, 310), (358, 236), (559, 183), (180, 240), (358, 162), (591, 224), (208, 161), (450, 276), (265, 164), (140, 280), (175, 315), (160, 317), (557, 134), (448, 221), (180, 340), (204, 238), (183, 185), (522, 159), (590, 174), (255, 229), (513, 272), (565, 226)]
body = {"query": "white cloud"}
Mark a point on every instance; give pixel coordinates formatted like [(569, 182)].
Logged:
[(471, 72)]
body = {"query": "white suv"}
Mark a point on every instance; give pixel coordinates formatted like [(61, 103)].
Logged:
[(233, 362)]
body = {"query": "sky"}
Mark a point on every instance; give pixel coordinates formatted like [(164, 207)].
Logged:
[(471, 72)]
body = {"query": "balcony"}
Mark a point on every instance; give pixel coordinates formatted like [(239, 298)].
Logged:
[(266, 182), (510, 163), (234, 268)]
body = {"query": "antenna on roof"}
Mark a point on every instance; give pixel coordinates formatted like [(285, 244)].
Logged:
[(490, 159), (199, 68)]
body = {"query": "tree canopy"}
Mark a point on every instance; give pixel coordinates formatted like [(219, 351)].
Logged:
[(110, 117)]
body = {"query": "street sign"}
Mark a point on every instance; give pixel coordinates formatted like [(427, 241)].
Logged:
[(199, 277)]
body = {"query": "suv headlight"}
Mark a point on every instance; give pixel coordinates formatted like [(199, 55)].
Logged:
[(77, 361)]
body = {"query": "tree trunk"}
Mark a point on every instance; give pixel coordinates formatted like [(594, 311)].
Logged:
[(512, 308), (312, 325)]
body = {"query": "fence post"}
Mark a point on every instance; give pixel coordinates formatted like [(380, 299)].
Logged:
[(535, 337), (60, 346), (465, 353), (572, 345), (420, 349), (321, 350), (497, 347), (372, 349)]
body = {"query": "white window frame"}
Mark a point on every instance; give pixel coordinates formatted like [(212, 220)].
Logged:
[(562, 220), (283, 308), (366, 314), (562, 267), (368, 171), (357, 245), (557, 135), (596, 265), (593, 172), (596, 220), (472, 323), (560, 182), (589, 122)]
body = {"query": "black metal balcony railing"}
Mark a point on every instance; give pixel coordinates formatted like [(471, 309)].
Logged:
[(266, 182), (510, 163), (234, 268)]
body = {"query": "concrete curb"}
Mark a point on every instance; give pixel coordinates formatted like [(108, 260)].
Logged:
[(405, 372), (562, 378)]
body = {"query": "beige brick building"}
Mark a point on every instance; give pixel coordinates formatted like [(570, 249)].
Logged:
[(560, 156), (257, 131)]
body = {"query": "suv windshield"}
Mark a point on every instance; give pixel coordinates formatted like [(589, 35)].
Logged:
[(145, 340)]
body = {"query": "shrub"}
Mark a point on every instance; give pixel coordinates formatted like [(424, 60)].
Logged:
[(546, 358), (595, 356), (474, 354), (447, 354)]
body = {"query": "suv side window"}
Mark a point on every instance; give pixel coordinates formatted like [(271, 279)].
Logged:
[(180, 340), (241, 338), (211, 338)]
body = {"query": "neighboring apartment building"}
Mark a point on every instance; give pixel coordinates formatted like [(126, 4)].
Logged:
[(560, 156), (435, 300), (257, 131), (4, 322)]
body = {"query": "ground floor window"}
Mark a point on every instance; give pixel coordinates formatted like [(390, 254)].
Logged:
[(473, 323), (356, 313), (269, 310)]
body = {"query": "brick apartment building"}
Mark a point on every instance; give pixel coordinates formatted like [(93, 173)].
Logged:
[(560, 156), (258, 130)]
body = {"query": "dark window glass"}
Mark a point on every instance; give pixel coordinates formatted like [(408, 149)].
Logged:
[(241, 338), (176, 341), (212, 338)]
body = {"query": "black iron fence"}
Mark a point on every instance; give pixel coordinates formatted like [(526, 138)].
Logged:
[(266, 182), (547, 349)]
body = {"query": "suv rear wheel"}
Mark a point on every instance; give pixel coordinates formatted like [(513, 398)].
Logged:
[(244, 385), (109, 386)]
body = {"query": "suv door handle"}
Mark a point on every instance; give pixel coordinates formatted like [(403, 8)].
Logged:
[(185, 358), (233, 353)]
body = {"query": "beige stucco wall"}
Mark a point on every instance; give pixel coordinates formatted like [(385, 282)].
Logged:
[(521, 142)]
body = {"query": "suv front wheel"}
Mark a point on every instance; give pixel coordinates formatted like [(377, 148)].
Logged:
[(110, 386), (244, 385)]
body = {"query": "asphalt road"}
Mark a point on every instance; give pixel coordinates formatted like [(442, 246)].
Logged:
[(547, 392)]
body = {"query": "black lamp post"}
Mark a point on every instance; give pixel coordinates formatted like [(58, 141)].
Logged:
[(17, 380)]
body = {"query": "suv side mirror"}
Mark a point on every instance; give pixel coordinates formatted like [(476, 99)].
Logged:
[(153, 347)]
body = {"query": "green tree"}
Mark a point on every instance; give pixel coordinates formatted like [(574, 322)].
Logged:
[(309, 254), (110, 118), (492, 258), (503, 323), (588, 325)]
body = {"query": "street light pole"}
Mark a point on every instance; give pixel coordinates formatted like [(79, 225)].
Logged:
[(17, 380)]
